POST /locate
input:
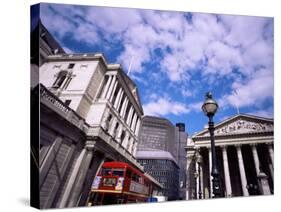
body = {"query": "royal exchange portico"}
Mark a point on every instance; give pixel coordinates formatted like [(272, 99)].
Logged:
[(244, 149)]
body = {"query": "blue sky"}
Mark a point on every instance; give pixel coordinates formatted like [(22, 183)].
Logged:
[(177, 57)]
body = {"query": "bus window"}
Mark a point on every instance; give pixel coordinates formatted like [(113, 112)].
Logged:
[(106, 172), (128, 173), (136, 178), (118, 172)]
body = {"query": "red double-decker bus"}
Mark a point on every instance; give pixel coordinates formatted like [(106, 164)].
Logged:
[(119, 183)]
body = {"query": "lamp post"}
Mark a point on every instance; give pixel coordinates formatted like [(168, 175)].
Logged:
[(210, 107)]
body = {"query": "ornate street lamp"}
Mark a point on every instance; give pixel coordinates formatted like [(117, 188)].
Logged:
[(210, 107)]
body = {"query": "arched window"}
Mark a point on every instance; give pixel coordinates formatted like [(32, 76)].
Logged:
[(60, 79)]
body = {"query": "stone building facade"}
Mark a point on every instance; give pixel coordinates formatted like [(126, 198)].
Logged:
[(244, 149), (107, 108)]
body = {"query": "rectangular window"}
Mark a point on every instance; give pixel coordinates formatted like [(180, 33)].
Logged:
[(71, 65), (83, 66), (57, 66), (67, 102)]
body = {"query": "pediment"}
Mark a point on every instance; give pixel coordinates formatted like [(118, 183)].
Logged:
[(241, 124)]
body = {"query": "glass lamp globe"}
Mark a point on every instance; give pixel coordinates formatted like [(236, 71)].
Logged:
[(210, 106)]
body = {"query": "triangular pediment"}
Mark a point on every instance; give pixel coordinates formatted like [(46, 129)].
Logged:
[(240, 124)]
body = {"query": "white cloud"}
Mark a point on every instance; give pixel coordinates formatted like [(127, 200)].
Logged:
[(186, 93), (113, 20), (164, 106), (267, 113), (212, 44), (252, 93), (67, 50), (196, 106)]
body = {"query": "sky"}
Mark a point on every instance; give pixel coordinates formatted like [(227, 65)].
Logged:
[(176, 57)]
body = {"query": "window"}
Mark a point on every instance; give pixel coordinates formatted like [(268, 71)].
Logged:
[(118, 172), (83, 66), (67, 83), (57, 66), (67, 102), (128, 173), (106, 172), (60, 79), (71, 65), (122, 136)]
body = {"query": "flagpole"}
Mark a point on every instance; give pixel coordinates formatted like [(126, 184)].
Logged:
[(130, 65)]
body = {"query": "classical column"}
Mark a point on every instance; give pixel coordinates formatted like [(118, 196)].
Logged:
[(226, 172), (271, 154), (72, 179), (126, 140), (271, 166), (112, 126), (256, 158), (124, 106), (262, 177), (112, 94), (117, 98), (78, 185), (137, 127), (119, 103), (120, 130), (242, 171), (131, 146), (197, 178), (134, 121), (105, 89), (201, 180), (210, 171), (129, 116), (134, 151), (111, 87)]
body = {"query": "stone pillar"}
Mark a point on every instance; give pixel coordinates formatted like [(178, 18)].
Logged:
[(78, 184), (105, 89), (104, 122), (129, 116), (112, 126), (226, 172), (197, 179), (210, 171), (124, 107), (262, 178), (134, 151), (201, 180), (131, 146), (112, 94), (119, 102), (71, 182), (242, 171), (126, 140), (134, 122), (271, 154), (137, 127), (263, 184), (117, 98), (256, 158), (118, 136), (111, 87)]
